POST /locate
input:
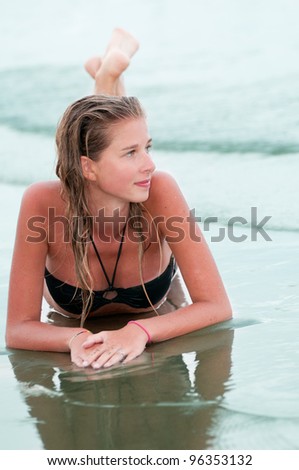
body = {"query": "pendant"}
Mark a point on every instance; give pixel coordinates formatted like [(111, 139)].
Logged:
[(110, 294)]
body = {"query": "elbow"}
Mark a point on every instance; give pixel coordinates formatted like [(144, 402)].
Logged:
[(11, 339), (228, 313), (216, 311), (225, 311), (221, 311)]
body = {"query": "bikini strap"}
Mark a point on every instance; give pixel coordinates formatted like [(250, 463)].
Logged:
[(110, 283)]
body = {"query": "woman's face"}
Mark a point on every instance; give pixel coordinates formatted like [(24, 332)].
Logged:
[(123, 171)]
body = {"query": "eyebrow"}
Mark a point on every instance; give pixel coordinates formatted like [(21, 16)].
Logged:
[(134, 146)]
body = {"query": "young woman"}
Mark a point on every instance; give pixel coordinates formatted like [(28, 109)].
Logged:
[(107, 237)]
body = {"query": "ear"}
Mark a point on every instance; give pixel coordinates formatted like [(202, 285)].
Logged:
[(88, 168)]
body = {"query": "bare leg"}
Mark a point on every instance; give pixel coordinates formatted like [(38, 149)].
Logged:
[(107, 71)]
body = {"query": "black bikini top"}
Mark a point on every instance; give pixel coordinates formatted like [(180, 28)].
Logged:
[(69, 297)]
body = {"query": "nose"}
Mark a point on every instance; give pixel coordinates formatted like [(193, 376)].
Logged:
[(147, 165)]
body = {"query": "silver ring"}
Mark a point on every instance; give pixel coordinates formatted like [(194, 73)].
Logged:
[(123, 355)]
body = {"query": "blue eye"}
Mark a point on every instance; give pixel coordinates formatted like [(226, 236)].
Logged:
[(131, 153)]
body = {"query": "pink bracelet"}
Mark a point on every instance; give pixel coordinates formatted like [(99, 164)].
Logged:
[(149, 339)]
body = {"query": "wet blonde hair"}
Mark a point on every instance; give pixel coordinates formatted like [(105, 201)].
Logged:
[(85, 129)]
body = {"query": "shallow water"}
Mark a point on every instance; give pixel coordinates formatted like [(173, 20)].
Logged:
[(232, 386), (225, 122)]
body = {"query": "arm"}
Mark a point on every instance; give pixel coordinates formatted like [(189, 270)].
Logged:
[(210, 304), (24, 330)]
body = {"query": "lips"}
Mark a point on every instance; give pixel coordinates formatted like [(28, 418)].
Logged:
[(144, 183)]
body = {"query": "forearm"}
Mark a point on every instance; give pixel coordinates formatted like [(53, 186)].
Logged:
[(38, 336), (185, 320)]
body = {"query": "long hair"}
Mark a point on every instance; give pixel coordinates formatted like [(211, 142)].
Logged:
[(85, 129)]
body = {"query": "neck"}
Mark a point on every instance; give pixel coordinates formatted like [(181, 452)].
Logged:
[(98, 200), (109, 216)]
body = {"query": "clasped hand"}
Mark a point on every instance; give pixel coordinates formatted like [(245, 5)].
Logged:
[(107, 348)]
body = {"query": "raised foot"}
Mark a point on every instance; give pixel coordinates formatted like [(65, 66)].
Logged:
[(124, 41), (114, 64), (108, 78), (92, 65), (107, 70)]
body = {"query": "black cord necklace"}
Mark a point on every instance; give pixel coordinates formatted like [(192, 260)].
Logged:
[(110, 293)]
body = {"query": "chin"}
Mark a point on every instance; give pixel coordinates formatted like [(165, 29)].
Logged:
[(138, 200), (144, 198), (140, 197)]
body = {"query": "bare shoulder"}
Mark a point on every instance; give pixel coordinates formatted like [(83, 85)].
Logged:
[(161, 181), (40, 196), (165, 195), (43, 189)]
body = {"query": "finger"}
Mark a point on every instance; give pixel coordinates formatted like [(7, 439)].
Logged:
[(102, 359), (92, 356), (130, 357), (109, 358), (118, 357), (92, 340), (78, 361)]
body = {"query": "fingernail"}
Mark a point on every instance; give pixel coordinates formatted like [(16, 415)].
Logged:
[(96, 365), (84, 363)]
